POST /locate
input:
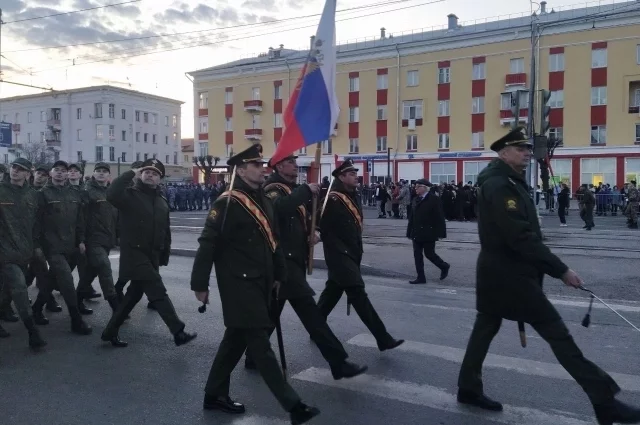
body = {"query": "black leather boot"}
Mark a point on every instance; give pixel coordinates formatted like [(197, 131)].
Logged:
[(347, 370), (78, 325), (478, 400), (35, 340), (182, 337), (302, 413), (617, 412), (224, 404), (38, 316), (112, 336), (82, 308), (52, 305)]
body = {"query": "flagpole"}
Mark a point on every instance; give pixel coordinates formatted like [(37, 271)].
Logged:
[(314, 211)]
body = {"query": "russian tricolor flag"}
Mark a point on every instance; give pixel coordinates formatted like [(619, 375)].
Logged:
[(312, 111)]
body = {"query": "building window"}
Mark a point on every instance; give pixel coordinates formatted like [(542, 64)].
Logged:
[(79, 156), (443, 108), (636, 98), (43, 116), (382, 112), (137, 156), (443, 141), (381, 144), (479, 71), (560, 170), (124, 136), (112, 153), (112, 132), (228, 150), (516, 66), (598, 134), (204, 100), (354, 146), (354, 84), (412, 142), (411, 109), (631, 169), (255, 121), (29, 137), (137, 136), (444, 75), (79, 135), (277, 92), (99, 153), (166, 121), (145, 117), (98, 110), (146, 137), (100, 131), (28, 116), (638, 54), (477, 140), (154, 118), (442, 172), (303, 150), (354, 114), (599, 58), (175, 137), (228, 124), (556, 100), (555, 133), (79, 113), (112, 110), (556, 62), (277, 120), (598, 96), (598, 170), (637, 134), (175, 158), (413, 78), (167, 159), (472, 169), (153, 139), (175, 121), (137, 116), (326, 147), (123, 157), (204, 125), (123, 114), (166, 140), (186, 158), (146, 156), (505, 100), (255, 93), (203, 148), (42, 137), (477, 105), (382, 82), (228, 98)]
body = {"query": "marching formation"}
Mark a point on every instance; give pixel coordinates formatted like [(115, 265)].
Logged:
[(258, 236)]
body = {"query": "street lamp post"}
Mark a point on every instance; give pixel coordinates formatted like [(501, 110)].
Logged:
[(389, 165)]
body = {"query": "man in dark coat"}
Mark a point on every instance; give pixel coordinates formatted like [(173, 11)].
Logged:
[(512, 263), (240, 238), (290, 203), (145, 245), (341, 232), (426, 226)]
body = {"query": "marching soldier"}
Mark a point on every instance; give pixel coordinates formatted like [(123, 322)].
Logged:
[(18, 227), (240, 238), (100, 217), (341, 232), (511, 250), (145, 246), (634, 199), (62, 233), (290, 206)]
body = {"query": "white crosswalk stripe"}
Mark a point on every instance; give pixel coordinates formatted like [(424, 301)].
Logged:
[(436, 398), (256, 420), (524, 366)]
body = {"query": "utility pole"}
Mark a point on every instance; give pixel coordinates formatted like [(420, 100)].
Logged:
[(531, 178)]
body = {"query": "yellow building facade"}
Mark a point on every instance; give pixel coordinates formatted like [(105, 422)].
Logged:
[(430, 104)]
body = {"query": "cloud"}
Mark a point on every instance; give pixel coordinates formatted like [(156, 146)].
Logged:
[(11, 6), (126, 11), (269, 5), (47, 2), (296, 4)]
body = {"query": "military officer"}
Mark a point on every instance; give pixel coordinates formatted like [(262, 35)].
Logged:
[(634, 199), (145, 246), (18, 227), (240, 238), (511, 249), (290, 202), (341, 232), (100, 218)]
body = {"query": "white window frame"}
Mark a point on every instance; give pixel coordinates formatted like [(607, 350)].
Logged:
[(327, 147), (636, 98), (354, 114), (112, 153), (203, 98), (412, 107), (78, 113), (599, 58), (411, 142), (175, 121), (598, 96), (443, 108), (112, 110), (607, 177), (29, 118), (444, 75), (598, 132), (228, 124), (556, 99), (479, 71), (556, 132), (137, 116), (277, 120), (145, 137), (255, 93), (101, 156), (123, 114), (137, 136), (444, 141), (145, 117), (477, 105), (413, 78), (123, 135), (354, 84), (277, 92), (99, 131), (516, 66), (112, 132), (381, 112), (638, 133), (477, 140), (470, 175), (204, 125), (556, 62), (560, 171), (382, 82), (354, 145), (97, 109), (43, 116), (228, 98), (255, 121), (79, 135), (303, 150), (381, 144), (434, 167), (203, 148)]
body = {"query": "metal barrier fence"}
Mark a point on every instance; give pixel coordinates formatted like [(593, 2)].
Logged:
[(604, 202)]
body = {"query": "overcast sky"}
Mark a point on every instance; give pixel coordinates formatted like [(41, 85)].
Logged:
[(211, 40)]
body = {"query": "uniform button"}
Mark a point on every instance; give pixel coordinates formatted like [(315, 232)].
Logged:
[(289, 254), (346, 252), (244, 275)]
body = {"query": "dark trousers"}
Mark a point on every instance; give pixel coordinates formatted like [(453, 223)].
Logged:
[(562, 213), (316, 325), (157, 294), (256, 342), (358, 298), (60, 269), (98, 265), (12, 281), (586, 214), (599, 387), (429, 251)]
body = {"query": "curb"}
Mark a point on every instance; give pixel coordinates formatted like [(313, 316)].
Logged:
[(318, 263)]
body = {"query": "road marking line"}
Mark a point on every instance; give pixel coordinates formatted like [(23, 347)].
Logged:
[(524, 366), (436, 398), (114, 256), (188, 227), (257, 420)]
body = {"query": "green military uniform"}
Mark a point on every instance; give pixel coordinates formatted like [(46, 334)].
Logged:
[(18, 241), (61, 219), (587, 202), (512, 263), (100, 217), (341, 231), (239, 237), (632, 208), (145, 245), (290, 203)]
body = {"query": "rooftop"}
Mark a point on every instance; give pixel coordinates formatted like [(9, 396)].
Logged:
[(121, 90), (593, 11)]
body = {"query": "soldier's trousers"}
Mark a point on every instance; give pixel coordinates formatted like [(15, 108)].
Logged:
[(256, 341), (12, 277), (358, 298), (316, 324), (60, 269), (599, 387), (157, 294), (98, 265), (37, 270)]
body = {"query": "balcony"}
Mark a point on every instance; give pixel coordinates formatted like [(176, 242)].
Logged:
[(253, 134), (54, 124), (253, 105), (54, 144), (506, 116), (516, 80), (634, 97), (15, 147)]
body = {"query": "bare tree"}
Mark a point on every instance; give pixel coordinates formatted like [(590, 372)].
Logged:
[(552, 144), (206, 164), (38, 154)]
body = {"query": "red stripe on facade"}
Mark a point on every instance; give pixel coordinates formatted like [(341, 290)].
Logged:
[(444, 64), (228, 111), (598, 77), (556, 80), (478, 88), (520, 78), (277, 83), (599, 115), (277, 106), (599, 45), (556, 50), (381, 96), (228, 137), (354, 130), (477, 123), (479, 59), (202, 112), (354, 74), (203, 136), (444, 91), (228, 89), (381, 128), (443, 125), (382, 71), (556, 117), (354, 99), (277, 134)]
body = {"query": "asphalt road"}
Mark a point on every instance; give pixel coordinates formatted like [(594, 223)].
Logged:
[(79, 380)]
